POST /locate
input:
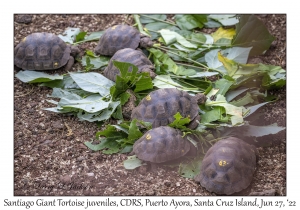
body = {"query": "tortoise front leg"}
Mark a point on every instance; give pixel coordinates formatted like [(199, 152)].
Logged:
[(69, 64)]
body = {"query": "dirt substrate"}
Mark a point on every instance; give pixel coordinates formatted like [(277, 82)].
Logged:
[(50, 157)]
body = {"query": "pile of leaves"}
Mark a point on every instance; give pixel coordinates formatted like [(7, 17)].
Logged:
[(185, 58)]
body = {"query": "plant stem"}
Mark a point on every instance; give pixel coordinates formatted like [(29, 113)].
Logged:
[(200, 64), (85, 41), (138, 22), (159, 20), (168, 48), (183, 64)]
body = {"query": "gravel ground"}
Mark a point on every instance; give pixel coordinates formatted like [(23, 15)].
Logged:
[(50, 157)]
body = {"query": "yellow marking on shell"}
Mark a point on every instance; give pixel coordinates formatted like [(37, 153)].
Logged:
[(222, 163), (182, 151), (55, 64), (148, 97), (148, 137), (113, 28), (24, 39), (189, 116)]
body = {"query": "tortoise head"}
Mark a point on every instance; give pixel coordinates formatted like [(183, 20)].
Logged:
[(200, 98), (146, 41), (149, 69), (74, 51)]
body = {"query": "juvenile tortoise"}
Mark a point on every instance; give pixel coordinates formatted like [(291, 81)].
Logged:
[(228, 166), (163, 144), (119, 37), (132, 56), (44, 51), (160, 106)]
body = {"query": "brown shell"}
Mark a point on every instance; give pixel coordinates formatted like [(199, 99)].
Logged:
[(161, 144), (128, 55), (228, 166), (41, 51), (161, 105), (116, 38)]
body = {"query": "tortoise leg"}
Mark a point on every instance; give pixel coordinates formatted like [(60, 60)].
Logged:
[(194, 124), (151, 72), (69, 64)]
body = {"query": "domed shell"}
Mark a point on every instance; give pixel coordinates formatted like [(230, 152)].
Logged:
[(228, 166), (161, 144), (160, 106), (116, 38), (41, 51), (128, 55)]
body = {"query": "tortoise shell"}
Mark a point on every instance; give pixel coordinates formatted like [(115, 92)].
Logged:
[(116, 38), (41, 51), (228, 166), (161, 144), (160, 106), (128, 55)]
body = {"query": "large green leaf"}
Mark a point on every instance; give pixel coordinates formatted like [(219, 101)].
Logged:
[(93, 82), (259, 131), (251, 32), (91, 104), (36, 77), (188, 22), (69, 35), (134, 132)]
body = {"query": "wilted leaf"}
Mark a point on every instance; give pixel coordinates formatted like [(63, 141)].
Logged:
[(36, 77), (254, 108), (132, 162), (223, 33), (251, 32), (234, 93), (247, 99), (230, 65)]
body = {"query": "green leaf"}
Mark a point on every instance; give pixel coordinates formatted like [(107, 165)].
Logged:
[(134, 132), (165, 81), (147, 18), (97, 62), (223, 85), (124, 97), (188, 22), (66, 83), (251, 32), (91, 104), (132, 162), (171, 36), (179, 121), (191, 168), (101, 115), (69, 35), (154, 27), (234, 93), (225, 20), (110, 146), (254, 108), (259, 131), (36, 77), (80, 36), (93, 82), (93, 36), (143, 82), (247, 99), (212, 115)]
